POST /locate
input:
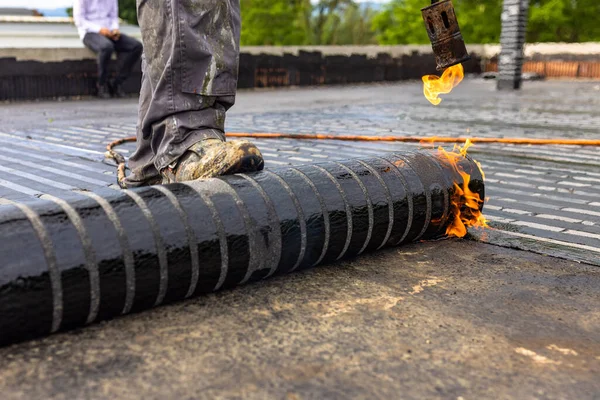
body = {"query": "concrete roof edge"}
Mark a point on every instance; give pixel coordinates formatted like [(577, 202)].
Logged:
[(62, 47), (35, 20)]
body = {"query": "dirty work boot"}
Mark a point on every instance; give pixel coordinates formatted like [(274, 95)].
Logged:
[(213, 157)]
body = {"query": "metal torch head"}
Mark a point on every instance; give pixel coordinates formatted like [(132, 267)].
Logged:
[(447, 41)]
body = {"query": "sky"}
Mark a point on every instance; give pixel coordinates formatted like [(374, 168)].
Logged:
[(36, 3), (48, 4)]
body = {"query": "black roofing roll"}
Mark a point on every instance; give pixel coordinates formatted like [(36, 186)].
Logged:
[(94, 256)]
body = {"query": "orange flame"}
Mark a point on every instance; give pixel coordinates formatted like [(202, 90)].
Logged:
[(464, 203), (434, 85)]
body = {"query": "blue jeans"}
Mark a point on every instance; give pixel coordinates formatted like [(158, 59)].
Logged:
[(190, 70)]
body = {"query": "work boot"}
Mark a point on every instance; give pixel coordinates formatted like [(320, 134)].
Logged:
[(211, 158), (103, 92)]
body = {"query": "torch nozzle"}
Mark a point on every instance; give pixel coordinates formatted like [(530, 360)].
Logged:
[(444, 33)]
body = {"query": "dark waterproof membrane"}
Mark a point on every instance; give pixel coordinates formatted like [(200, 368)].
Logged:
[(95, 256)]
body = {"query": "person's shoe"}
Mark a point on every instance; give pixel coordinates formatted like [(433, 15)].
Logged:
[(103, 92), (117, 91), (211, 158)]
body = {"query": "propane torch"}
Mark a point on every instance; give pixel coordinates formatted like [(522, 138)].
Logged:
[(444, 33)]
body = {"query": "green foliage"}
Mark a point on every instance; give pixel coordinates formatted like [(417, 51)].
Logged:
[(300, 22), (340, 22), (564, 21), (294, 22), (400, 22), (272, 22), (480, 21), (397, 23), (127, 11), (328, 19), (355, 26)]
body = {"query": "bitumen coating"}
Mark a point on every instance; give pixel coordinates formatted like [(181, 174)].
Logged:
[(541, 198), (441, 320), (449, 319)]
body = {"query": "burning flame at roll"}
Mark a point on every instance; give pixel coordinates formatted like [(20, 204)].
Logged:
[(465, 204), (434, 85)]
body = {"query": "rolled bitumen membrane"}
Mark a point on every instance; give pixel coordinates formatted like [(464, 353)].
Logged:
[(94, 256)]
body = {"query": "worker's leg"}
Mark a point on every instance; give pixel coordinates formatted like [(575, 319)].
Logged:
[(191, 52), (129, 51), (104, 48), (142, 161)]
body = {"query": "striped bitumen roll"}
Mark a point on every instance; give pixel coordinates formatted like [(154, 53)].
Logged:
[(94, 256)]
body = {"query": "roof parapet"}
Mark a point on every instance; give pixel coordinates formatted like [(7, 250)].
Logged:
[(35, 20)]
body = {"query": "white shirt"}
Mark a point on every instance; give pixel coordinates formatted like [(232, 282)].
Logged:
[(93, 15)]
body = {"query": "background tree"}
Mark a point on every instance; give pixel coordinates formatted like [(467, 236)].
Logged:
[(480, 21), (397, 23), (356, 25), (127, 11), (302, 22), (272, 22), (564, 21), (325, 22), (342, 22), (400, 21)]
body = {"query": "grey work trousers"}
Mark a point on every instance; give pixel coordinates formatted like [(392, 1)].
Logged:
[(190, 70)]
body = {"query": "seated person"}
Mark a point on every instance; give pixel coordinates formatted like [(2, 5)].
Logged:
[(98, 25)]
